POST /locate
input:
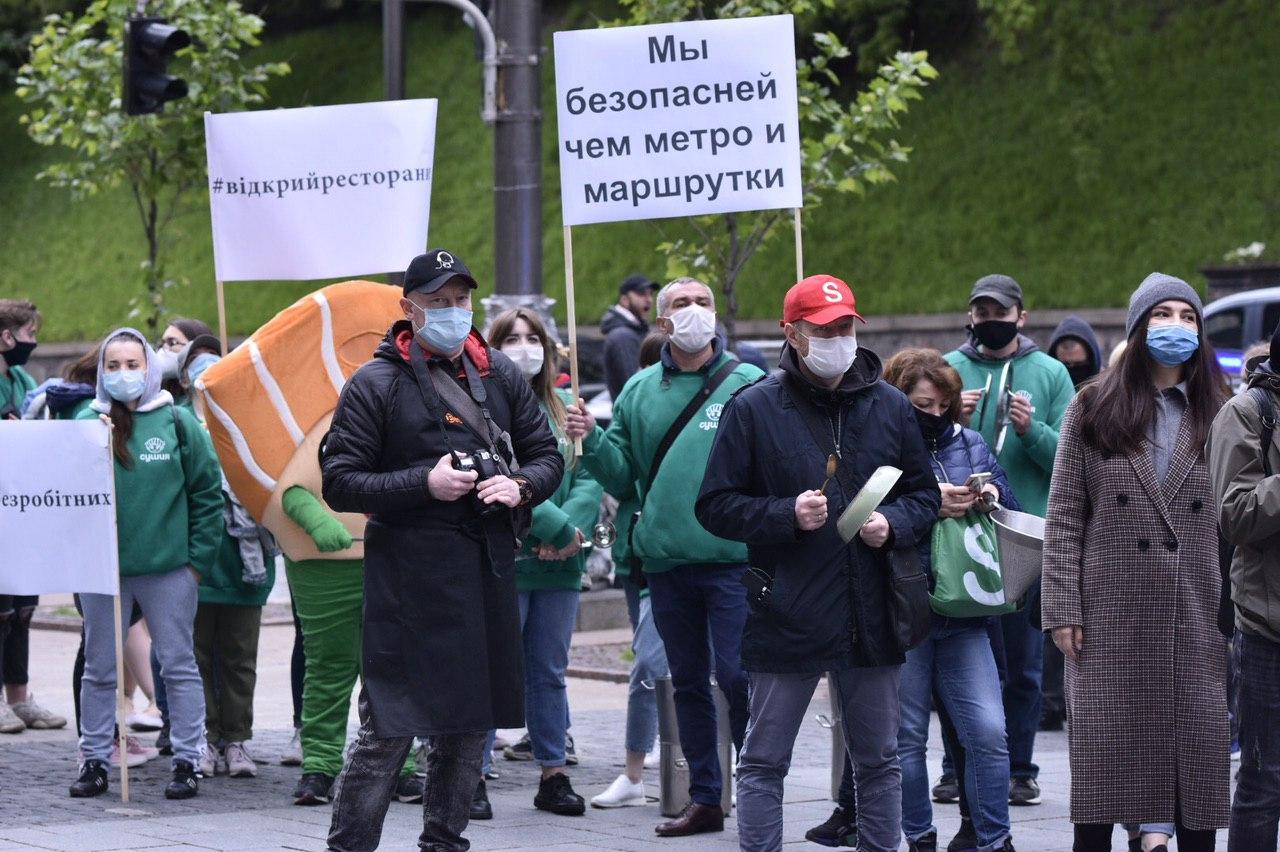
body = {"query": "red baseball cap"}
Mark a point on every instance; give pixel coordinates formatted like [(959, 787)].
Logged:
[(819, 299)]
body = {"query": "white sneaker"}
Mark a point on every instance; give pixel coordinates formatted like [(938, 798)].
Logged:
[(136, 753), (210, 759), (147, 720), (10, 722), (621, 794), (239, 763), (292, 756), (651, 760)]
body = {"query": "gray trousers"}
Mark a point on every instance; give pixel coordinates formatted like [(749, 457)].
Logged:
[(368, 779), (168, 602), (779, 704)]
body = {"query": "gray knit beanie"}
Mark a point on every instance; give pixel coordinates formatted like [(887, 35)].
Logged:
[(1154, 289)]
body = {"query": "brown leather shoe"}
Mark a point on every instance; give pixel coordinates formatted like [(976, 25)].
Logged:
[(694, 819)]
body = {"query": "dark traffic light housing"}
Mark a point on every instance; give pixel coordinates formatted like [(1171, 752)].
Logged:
[(149, 44)]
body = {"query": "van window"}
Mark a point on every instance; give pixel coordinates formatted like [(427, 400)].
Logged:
[(1225, 329), (1270, 319)]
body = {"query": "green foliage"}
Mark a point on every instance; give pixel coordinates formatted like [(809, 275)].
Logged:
[(71, 84), (847, 143)]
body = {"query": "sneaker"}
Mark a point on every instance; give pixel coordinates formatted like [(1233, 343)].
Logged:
[(313, 789), (163, 744), (838, 830), (36, 717), (555, 795), (523, 750), (209, 762), (292, 755), (966, 839), (622, 793), (651, 760), (136, 753), (570, 751), (92, 781), (480, 807), (1024, 791), (148, 720), (238, 762), (947, 790), (1008, 846), (184, 785), (10, 722), (500, 742), (926, 843), (409, 789)]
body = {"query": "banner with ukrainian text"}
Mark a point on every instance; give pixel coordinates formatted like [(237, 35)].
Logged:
[(320, 192), (681, 119), (57, 508)]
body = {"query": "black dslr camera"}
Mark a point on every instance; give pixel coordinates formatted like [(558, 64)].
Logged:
[(486, 466)]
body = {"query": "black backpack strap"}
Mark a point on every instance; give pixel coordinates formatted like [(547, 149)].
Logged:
[(178, 427), (1268, 414), (682, 419)]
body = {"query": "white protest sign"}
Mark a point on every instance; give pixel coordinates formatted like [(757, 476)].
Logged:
[(57, 508), (678, 119), (320, 192)]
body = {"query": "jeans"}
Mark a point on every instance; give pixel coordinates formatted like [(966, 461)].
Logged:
[(869, 708), (650, 664), (168, 603), (688, 602), (363, 790), (957, 659), (547, 618), (1255, 812), (1024, 659), (226, 640)]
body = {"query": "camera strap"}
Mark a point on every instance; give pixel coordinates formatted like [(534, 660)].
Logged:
[(467, 407)]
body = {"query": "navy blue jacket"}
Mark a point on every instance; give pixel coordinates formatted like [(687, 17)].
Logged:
[(830, 601)]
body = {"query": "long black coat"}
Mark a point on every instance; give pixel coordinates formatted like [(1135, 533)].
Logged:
[(441, 639), (830, 601)]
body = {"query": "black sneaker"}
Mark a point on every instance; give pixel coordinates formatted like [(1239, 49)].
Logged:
[(838, 830), (570, 751), (1135, 844), (184, 784), (313, 789), (947, 790), (480, 807), (409, 790), (1024, 791), (1052, 720), (523, 750), (966, 839), (1008, 846), (927, 843), (555, 794), (92, 781), (163, 742)]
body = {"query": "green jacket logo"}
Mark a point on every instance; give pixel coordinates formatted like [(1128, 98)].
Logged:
[(981, 548), (714, 411), (154, 447)]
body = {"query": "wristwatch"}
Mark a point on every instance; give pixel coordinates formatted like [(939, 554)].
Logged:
[(526, 490)]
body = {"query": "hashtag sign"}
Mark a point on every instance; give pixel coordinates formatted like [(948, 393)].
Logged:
[(217, 186)]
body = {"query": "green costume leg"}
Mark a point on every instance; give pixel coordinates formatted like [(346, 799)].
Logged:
[(329, 595)]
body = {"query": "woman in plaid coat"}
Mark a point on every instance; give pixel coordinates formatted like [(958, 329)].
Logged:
[(1131, 583)]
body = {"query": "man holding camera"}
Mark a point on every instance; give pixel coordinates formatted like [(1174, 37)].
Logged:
[(424, 441)]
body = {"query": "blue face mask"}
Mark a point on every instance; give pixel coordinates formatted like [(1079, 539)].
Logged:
[(199, 364), (1172, 345), (125, 385), (446, 329)]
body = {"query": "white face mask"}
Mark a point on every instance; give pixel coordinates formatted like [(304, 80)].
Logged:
[(692, 328), (527, 356), (831, 357)]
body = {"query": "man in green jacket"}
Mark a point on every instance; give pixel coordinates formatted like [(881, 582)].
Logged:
[(695, 578), (1248, 493), (1039, 390)]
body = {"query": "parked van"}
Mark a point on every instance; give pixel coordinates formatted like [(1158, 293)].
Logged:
[(1234, 323)]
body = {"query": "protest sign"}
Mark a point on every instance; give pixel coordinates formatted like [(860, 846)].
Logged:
[(57, 508), (320, 192), (679, 119)]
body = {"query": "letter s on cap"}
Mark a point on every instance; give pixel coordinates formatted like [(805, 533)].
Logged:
[(832, 291)]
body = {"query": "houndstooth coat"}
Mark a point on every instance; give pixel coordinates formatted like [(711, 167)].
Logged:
[(1136, 565)]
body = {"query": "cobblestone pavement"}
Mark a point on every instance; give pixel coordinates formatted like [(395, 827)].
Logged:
[(253, 814)]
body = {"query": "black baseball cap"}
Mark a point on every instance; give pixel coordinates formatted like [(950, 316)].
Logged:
[(429, 272), (1002, 288), (637, 284)]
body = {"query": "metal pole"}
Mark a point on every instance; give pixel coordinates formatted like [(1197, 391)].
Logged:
[(393, 49)]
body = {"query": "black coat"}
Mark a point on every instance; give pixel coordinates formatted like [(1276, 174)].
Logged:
[(622, 339), (441, 638), (830, 601)]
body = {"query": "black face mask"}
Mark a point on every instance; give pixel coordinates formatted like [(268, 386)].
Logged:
[(18, 355), (1081, 373), (934, 426), (995, 334)]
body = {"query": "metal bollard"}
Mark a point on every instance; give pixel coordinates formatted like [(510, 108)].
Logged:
[(834, 724), (673, 768)]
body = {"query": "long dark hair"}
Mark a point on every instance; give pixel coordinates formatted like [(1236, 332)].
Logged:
[(121, 416), (544, 384), (1117, 407)]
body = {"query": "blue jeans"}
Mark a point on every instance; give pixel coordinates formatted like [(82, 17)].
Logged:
[(650, 664), (957, 659), (689, 602), (1024, 660), (1255, 813), (547, 619)]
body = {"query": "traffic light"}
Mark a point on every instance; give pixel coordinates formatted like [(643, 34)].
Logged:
[(149, 44)]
